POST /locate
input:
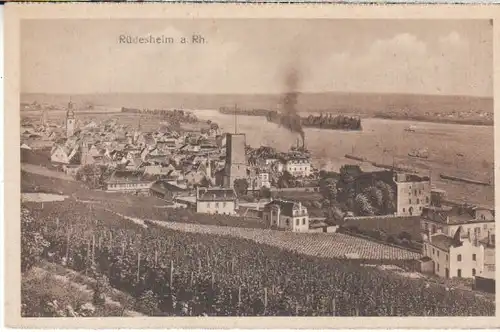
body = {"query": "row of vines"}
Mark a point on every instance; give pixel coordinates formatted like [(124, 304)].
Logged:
[(192, 274)]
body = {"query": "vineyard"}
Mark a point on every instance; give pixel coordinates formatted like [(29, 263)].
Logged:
[(183, 273), (333, 245)]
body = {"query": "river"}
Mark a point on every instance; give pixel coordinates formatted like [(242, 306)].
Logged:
[(463, 150)]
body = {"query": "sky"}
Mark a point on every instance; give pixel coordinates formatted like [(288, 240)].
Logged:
[(443, 57)]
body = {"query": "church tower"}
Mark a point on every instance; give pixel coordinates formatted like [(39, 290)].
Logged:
[(236, 161), (70, 120)]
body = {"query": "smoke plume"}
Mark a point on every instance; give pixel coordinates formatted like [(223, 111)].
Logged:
[(289, 116)]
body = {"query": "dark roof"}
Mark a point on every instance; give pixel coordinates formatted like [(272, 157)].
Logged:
[(457, 214), (444, 242), (411, 178), (216, 194), (425, 259), (286, 207), (486, 243), (124, 176), (165, 187)]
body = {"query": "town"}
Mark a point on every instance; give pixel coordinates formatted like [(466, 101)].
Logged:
[(219, 178)]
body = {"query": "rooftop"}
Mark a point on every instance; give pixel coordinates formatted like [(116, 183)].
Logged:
[(444, 242), (452, 214), (286, 207), (216, 194), (124, 176), (165, 187), (404, 177)]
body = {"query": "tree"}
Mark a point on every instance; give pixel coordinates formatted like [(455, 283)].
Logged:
[(265, 192), (347, 173), (33, 243), (388, 197), (285, 180), (241, 187), (334, 214), (93, 175), (362, 205), (328, 188), (375, 197)]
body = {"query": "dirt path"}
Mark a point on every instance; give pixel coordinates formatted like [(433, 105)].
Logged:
[(40, 170)]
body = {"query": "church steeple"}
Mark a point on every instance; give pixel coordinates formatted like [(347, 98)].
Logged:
[(70, 120)]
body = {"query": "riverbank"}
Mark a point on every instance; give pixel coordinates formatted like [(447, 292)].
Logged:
[(472, 122)]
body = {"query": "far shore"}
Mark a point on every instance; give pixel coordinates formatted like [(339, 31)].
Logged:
[(417, 118)]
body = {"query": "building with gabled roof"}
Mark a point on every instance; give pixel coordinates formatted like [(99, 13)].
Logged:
[(286, 215), (166, 190), (65, 155), (458, 256), (447, 219), (216, 201), (129, 182)]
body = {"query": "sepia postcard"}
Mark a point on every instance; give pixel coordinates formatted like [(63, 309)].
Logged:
[(250, 166)]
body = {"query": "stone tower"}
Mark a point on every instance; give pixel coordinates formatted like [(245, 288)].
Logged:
[(70, 120), (43, 118), (236, 160)]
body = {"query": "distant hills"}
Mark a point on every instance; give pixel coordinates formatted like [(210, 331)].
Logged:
[(367, 104)]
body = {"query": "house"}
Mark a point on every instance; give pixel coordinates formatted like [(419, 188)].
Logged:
[(263, 179), (298, 166), (133, 164), (104, 160), (25, 146), (158, 160), (129, 182), (94, 151), (159, 170), (168, 144), (166, 190), (65, 155), (479, 222), (258, 179), (287, 215), (489, 257), (456, 256), (412, 193), (194, 176), (216, 201)]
